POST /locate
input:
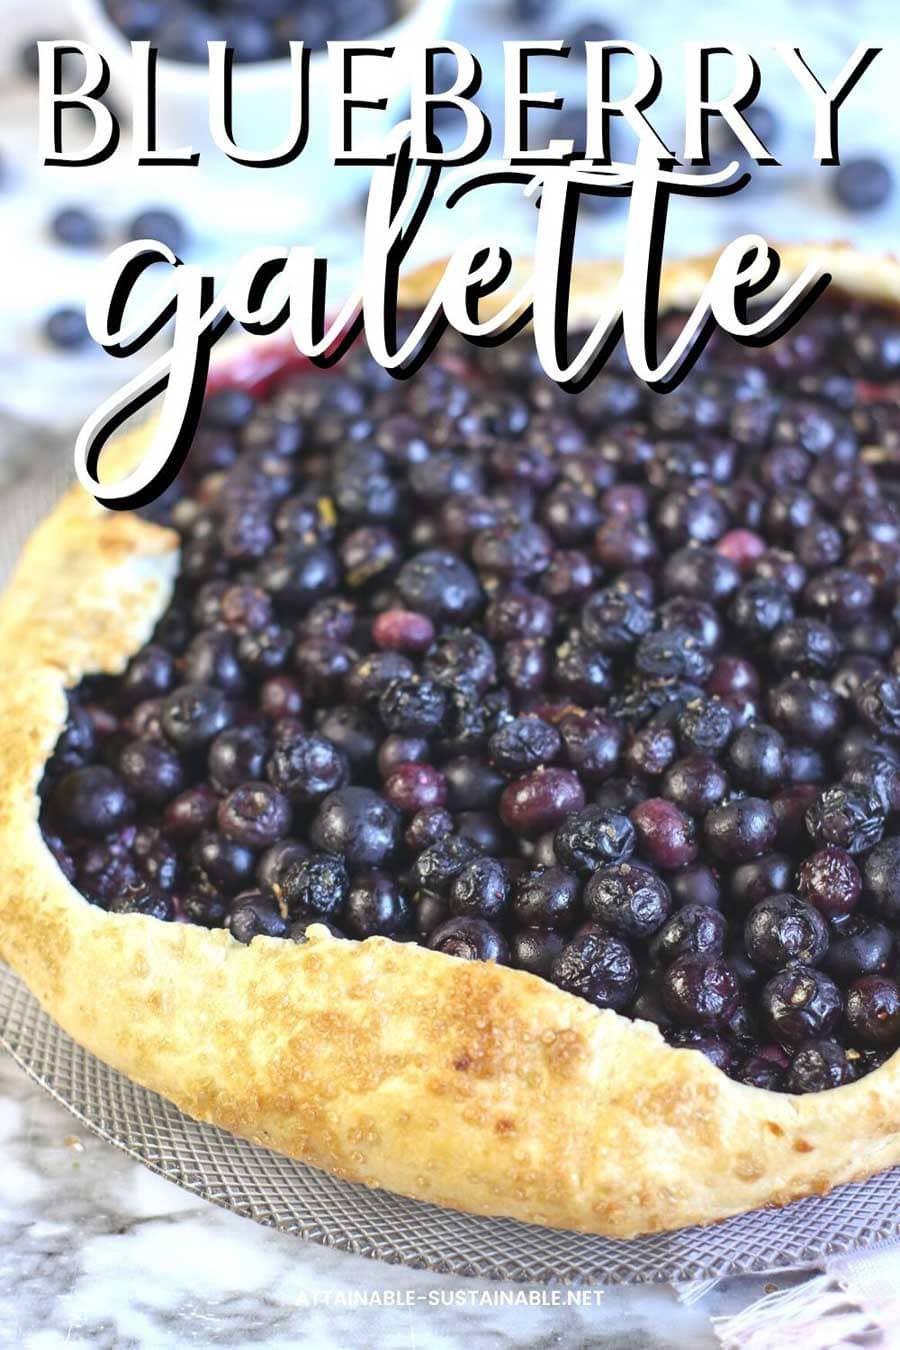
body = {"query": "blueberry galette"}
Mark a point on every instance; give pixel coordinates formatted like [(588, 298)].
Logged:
[(487, 793)]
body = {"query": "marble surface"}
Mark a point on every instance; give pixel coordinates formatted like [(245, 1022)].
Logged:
[(97, 1251)]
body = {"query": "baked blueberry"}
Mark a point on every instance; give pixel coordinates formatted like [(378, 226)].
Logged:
[(441, 862), (799, 1004), (358, 824), (700, 990), (873, 1011), (695, 928), (696, 784), (593, 836), (546, 897), (881, 879), (92, 801), (221, 863), (237, 756), (310, 883), (152, 772), (845, 817), (194, 714), (255, 815), (439, 585), (598, 967), (540, 800), (252, 915), (627, 898), (784, 929), (524, 743), (480, 889), (859, 946), (143, 899), (306, 767), (757, 759), (665, 836), (412, 706), (535, 950), (375, 906), (830, 880), (818, 1065), (696, 884), (470, 939), (738, 831)]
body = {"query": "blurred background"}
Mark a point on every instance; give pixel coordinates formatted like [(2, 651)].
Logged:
[(56, 225)]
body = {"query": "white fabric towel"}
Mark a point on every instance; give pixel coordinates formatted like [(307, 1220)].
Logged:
[(854, 1301)]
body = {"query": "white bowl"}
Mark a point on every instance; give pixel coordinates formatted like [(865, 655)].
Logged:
[(261, 89)]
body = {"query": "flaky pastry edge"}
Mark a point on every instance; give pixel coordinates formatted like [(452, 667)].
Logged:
[(477, 1087)]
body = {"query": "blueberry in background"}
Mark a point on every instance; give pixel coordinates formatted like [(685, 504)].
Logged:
[(75, 227), (159, 223), (66, 328), (763, 121), (863, 184), (261, 31), (588, 30), (28, 58), (138, 19)]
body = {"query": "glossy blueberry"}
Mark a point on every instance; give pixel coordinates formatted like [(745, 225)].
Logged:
[(830, 880), (845, 817), (252, 915), (480, 889), (469, 939), (546, 897), (221, 863), (799, 1004), (783, 929), (91, 801), (255, 815), (665, 836), (589, 838), (306, 767), (700, 990), (375, 906), (628, 899), (540, 800), (818, 1065), (598, 967), (881, 879), (194, 714), (358, 824), (693, 928), (740, 830), (859, 946), (152, 772), (873, 1010), (535, 950), (439, 863)]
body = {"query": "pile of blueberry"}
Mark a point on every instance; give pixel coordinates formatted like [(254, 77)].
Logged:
[(258, 30), (606, 688)]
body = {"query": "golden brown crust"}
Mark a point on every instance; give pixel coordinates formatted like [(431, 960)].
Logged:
[(477, 1087)]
